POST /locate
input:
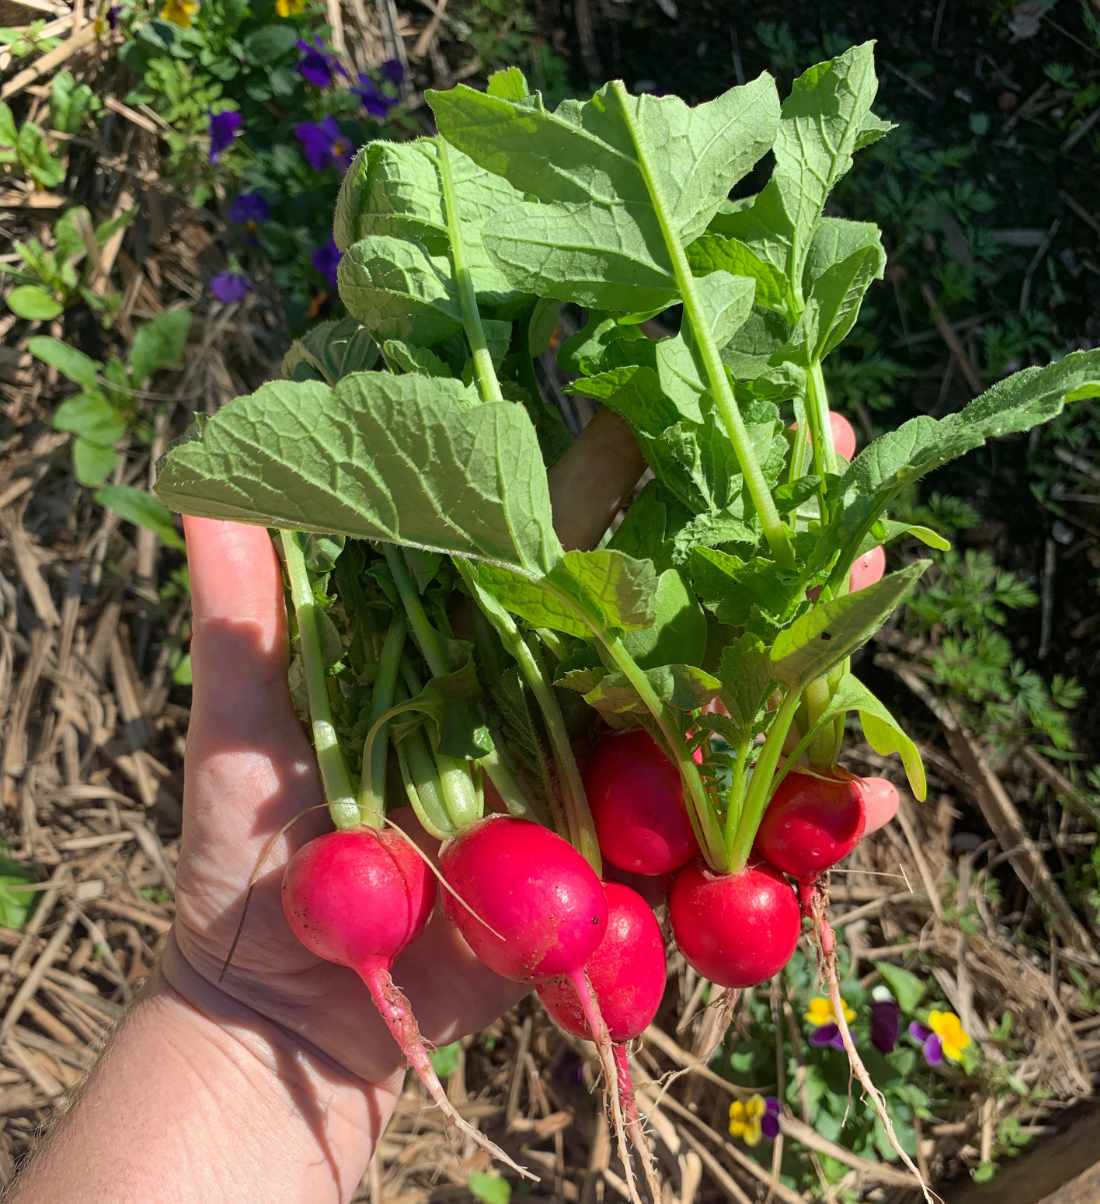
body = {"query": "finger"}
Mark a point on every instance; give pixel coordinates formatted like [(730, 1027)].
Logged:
[(880, 803), (238, 640)]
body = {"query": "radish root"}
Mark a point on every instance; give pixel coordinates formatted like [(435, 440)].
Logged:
[(394, 1008), (826, 943), (635, 1131), (593, 1017)]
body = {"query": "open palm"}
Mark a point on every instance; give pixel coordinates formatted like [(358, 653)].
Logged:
[(249, 770)]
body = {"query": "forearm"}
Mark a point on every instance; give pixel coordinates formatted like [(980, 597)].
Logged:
[(197, 1098)]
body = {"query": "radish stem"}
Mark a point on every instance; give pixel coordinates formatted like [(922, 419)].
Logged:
[(335, 781), (372, 779)]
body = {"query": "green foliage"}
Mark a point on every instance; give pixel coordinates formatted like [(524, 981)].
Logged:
[(490, 1189), (52, 279), (16, 902), (106, 409)]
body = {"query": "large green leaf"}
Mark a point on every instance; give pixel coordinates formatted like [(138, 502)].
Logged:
[(615, 178), (831, 631), (395, 458)]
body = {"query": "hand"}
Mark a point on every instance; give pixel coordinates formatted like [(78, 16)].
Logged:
[(248, 772)]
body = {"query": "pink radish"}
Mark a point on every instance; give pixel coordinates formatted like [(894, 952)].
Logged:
[(842, 432), (357, 898), (532, 909), (735, 929), (811, 823), (867, 569), (637, 802), (880, 802), (627, 973)]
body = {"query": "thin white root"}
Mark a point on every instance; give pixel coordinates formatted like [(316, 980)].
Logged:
[(635, 1130), (827, 950), (590, 1009)]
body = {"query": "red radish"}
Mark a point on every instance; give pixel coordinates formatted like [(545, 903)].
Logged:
[(531, 908), (534, 908), (842, 432), (637, 803), (867, 569), (357, 898), (627, 971), (880, 802), (735, 929), (811, 823)]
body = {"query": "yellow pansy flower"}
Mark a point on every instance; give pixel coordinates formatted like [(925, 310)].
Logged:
[(179, 12), (290, 8), (953, 1037), (820, 1012), (745, 1117)]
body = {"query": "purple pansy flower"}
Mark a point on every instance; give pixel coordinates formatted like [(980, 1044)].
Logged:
[(392, 70), (249, 209), (930, 1044), (230, 287), (828, 1034), (769, 1122), (317, 66), (885, 1025), (112, 17), (224, 127), (324, 143), (326, 259), (373, 99)]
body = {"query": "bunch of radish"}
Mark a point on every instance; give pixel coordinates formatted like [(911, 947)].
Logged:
[(569, 678)]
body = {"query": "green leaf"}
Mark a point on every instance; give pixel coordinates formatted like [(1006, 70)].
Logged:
[(747, 679), (880, 729), (269, 43), (140, 507), (834, 301), (681, 687), (405, 357), (38, 161), (713, 253), (350, 460), (677, 632), (907, 988), (831, 631), (396, 190), (508, 84), (33, 303), (93, 463), (489, 1189), (330, 351), (74, 365), (398, 291), (91, 416), (15, 905), (603, 587), (159, 345), (70, 103), (597, 169), (1014, 404)]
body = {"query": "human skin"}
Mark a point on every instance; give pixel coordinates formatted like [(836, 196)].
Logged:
[(276, 1080)]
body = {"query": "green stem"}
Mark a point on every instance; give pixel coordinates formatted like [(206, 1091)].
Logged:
[(428, 640), (821, 435), (700, 811), (372, 777), (487, 383), (581, 831), (461, 800), (760, 787), (735, 796), (335, 781), (775, 531), (414, 760), (497, 766)]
